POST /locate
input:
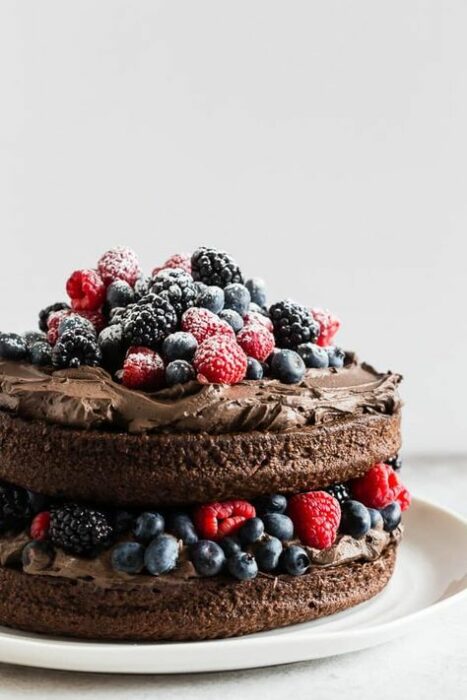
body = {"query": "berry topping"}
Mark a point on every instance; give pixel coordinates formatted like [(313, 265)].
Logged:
[(13, 347), (316, 516), (45, 313), (40, 526), (279, 525), (336, 356), (179, 372), (41, 354), (55, 318), (233, 318), (230, 545), (254, 369), (313, 356), (33, 337), (149, 323), (214, 267), (237, 298), (161, 555), (181, 261), (256, 341), (220, 360), (216, 520), (242, 566), (111, 344), (207, 557), (391, 515), (294, 560), (177, 287), (79, 530), (203, 324), (211, 298), (355, 520), (268, 554), (128, 558), (183, 528), (376, 519), (120, 263), (379, 487), (253, 317), (143, 369), (96, 317), (37, 554), (257, 288), (251, 531), (274, 503), (75, 322), (179, 346), (293, 324), (147, 526), (328, 326), (76, 348), (339, 491), (86, 290), (287, 366), (119, 293)]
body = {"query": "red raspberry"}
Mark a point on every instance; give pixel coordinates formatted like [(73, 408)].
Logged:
[(316, 516), (256, 341), (220, 360), (96, 317), (255, 317), (86, 290), (143, 369), (379, 487), (202, 323), (213, 521), (53, 323), (40, 526), (179, 260), (328, 324), (120, 263)]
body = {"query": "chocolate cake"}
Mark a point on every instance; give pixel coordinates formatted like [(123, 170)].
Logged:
[(181, 461)]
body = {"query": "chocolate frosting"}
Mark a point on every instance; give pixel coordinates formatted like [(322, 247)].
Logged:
[(89, 398)]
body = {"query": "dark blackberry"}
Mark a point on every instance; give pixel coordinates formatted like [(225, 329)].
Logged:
[(41, 354), (395, 462), (117, 315), (177, 287), (76, 348), (45, 313), (293, 324), (148, 324), (339, 491), (76, 323), (14, 507), (32, 337), (79, 530), (142, 287), (216, 267), (13, 347)]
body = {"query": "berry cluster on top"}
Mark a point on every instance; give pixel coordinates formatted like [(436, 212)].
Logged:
[(194, 317)]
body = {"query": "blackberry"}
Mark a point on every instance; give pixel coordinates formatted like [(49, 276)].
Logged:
[(395, 462), (177, 287), (339, 491), (79, 530), (13, 347), (45, 313), (14, 507), (293, 324), (117, 315), (147, 324), (215, 267), (77, 324), (76, 348), (142, 286)]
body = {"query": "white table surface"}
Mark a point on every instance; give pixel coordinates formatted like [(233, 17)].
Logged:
[(429, 664)]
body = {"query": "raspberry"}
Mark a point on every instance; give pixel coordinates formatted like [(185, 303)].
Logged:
[(214, 267), (256, 317), (213, 521), (86, 290), (143, 369), (53, 323), (45, 313), (328, 326), (220, 360), (180, 260), (120, 263), (379, 487), (256, 341), (202, 323), (40, 526), (150, 323), (293, 325), (316, 516), (177, 287)]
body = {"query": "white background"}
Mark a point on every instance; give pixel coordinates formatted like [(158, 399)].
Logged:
[(323, 143)]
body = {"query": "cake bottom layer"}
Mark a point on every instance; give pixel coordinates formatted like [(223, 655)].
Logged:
[(187, 609)]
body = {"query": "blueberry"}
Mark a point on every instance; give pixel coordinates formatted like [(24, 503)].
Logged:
[(294, 560), (208, 557), (257, 288), (40, 554), (212, 298), (161, 555), (32, 337), (147, 526), (182, 527), (242, 566), (113, 350), (355, 520), (119, 293), (13, 347), (179, 346), (251, 531), (37, 501), (391, 516), (179, 372), (200, 287), (287, 366), (128, 557), (278, 525), (254, 369), (237, 297), (275, 503), (257, 309), (230, 545), (232, 318), (122, 521), (376, 518), (336, 356), (41, 354), (313, 356), (268, 554)]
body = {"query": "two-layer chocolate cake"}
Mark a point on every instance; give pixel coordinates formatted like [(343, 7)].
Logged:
[(180, 460)]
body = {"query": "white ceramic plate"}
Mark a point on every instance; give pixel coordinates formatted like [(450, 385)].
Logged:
[(427, 579)]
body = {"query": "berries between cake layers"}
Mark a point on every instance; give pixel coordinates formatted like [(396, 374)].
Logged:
[(180, 459)]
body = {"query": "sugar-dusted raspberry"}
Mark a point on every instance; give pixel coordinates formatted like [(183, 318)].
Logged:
[(256, 317), (86, 290), (53, 323), (40, 526), (143, 369), (202, 323), (256, 341), (96, 316), (316, 516), (220, 360), (379, 487), (328, 326), (180, 260), (213, 521), (119, 263)]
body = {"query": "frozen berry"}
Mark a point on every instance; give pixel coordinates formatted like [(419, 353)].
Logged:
[(316, 516), (214, 267), (41, 354), (257, 288), (96, 316), (293, 324), (179, 346), (208, 557), (161, 555), (268, 554), (86, 290), (313, 356), (237, 297), (254, 369), (128, 558), (33, 337), (143, 369), (203, 324), (242, 566), (74, 349), (179, 372), (177, 287), (53, 323), (178, 260), (279, 525), (256, 341), (355, 520), (391, 515), (233, 318), (328, 326), (147, 526), (75, 322), (211, 298), (287, 366), (150, 323), (379, 487), (217, 520), (294, 560), (220, 360), (13, 347), (40, 526), (251, 531), (336, 356), (120, 263), (119, 293)]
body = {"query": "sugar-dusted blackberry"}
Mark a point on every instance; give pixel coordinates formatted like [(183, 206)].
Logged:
[(177, 287), (76, 323), (14, 507), (117, 315), (79, 530), (32, 337), (13, 347), (142, 286), (75, 348), (41, 354), (216, 267), (339, 491), (293, 324), (45, 313), (147, 324)]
